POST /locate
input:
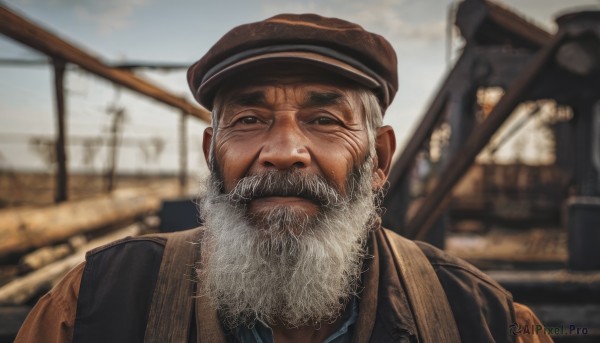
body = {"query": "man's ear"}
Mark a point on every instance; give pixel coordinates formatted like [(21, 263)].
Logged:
[(206, 142), (385, 146)]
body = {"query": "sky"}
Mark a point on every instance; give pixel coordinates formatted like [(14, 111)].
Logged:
[(181, 31)]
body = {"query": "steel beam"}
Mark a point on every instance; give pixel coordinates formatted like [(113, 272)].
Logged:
[(486, 23), (440, 196)]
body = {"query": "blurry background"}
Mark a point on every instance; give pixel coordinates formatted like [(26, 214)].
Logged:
[(155, 33), (525, 208)]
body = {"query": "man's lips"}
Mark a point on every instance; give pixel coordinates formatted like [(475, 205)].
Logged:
[(269, 202), (282, 199), (285, 197)]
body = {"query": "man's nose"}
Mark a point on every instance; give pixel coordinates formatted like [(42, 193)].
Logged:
[(285, 148)]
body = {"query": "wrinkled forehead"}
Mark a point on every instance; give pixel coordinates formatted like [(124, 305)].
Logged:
[(308, 80)]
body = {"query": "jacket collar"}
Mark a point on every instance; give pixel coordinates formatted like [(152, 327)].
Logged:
[(383, 300)]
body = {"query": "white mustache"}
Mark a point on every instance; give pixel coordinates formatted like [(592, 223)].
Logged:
[(290, 183)]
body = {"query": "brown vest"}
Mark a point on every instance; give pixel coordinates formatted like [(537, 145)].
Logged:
[(120, 279)]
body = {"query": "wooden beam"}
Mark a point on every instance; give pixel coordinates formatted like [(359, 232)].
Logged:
[(23, 229), (20, 290), (32, 35)]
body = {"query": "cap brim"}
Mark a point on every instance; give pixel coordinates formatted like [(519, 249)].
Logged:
[(205, 93)]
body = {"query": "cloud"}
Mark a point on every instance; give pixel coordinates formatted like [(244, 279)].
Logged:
[(393, 19), (107, 15)]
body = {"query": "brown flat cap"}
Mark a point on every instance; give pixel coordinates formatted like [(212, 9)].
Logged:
[(337, 45)]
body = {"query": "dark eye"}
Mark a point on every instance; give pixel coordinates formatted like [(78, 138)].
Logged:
[(325, 121), (248, 120)]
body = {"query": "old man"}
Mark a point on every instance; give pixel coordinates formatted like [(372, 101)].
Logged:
[(292, 248)]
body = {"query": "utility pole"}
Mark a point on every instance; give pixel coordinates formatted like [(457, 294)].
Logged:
[(61, 189), (183, 152), (118, 117)]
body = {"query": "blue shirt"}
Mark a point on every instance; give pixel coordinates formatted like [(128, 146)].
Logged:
[(260, 332)]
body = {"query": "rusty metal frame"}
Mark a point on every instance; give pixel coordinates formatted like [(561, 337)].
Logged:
[(439, 197), (485, 26)]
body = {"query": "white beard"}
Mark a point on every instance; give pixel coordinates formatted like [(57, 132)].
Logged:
[(293, 270)]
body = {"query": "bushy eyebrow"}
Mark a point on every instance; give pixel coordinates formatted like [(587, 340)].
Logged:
[(317, 99), (248, 99), (313, 99)]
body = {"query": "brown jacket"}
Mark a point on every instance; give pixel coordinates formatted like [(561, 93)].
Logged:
[(483, 310)]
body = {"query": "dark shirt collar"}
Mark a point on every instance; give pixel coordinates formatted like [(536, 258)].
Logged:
[(260, 332)]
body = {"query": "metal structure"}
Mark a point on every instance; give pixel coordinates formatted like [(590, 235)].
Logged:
[(62, 52), (499, 44), (503, 50)]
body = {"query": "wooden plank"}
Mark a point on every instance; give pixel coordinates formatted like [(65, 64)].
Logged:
[(44, 256), (9, 272), (32, 35), (26, 228), (20, 290)]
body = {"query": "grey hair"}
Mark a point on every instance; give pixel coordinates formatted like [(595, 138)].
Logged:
[(373, 116)]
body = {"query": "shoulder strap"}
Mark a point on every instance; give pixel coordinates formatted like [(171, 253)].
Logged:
[(433, 315), (172, 302)]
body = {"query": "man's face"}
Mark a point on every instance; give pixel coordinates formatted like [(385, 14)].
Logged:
[(292, 195), (305, 123)]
